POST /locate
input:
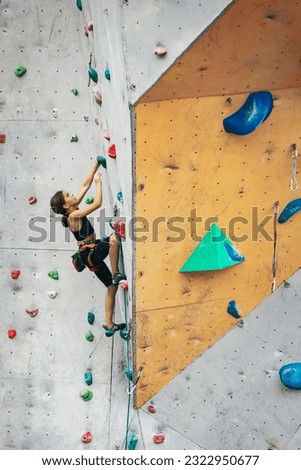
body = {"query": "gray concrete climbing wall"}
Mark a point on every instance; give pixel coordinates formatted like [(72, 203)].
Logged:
[(42, 367)]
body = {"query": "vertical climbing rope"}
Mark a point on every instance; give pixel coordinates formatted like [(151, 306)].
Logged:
[(274, 264)]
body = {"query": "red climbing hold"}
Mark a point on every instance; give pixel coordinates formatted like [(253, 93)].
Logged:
[(112, 151), (152, 409), (11, 333), (2, 138), (158, 439), (15, 273), (32, 312), (32, 199), (124, 284), (87, 437), (119, 228)]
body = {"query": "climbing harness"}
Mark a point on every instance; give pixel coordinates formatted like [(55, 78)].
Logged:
[(274, 264), (294, 153)]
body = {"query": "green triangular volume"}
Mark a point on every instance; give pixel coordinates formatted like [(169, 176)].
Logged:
[(214, 252)]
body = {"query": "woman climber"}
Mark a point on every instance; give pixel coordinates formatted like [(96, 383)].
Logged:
[(92, 251)]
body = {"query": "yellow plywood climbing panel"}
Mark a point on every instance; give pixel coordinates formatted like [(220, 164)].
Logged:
[(190, 173)]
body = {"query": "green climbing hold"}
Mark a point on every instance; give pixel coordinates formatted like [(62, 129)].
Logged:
[(79, 4), (214, 252), (74, 91), (20, 70), (87, 395), (128, 373), (53, 274), (74, 138), (120, 196), (132, 441), (89, 336), (108, 74), (90, 318), (88, 378), (102, 161), (89, 200), (93, 74)]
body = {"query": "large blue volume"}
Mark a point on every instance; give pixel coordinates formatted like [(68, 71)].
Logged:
[(290, 375), (252, 113)]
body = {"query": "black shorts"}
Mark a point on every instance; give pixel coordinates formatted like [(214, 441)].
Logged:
[(98, 254)]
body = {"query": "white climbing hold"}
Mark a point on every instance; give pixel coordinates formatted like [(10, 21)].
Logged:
[(52, 294), (160, 50), (97, 94), (55, 113)]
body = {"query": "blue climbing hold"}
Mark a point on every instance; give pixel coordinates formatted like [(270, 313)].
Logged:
[(102, 161), (254, 111), (233, 309), (88, 378), (290, 375), (91, 318), (132, 441), (290, 209), (93, 74), (79, 4), (233, 253)]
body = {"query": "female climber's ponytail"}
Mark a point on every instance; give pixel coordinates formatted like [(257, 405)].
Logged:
[(57, 203)]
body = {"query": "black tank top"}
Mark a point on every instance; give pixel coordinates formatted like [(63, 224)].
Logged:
[(85, 231)]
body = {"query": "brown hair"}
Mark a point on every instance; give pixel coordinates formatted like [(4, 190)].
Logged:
[(57, 205)]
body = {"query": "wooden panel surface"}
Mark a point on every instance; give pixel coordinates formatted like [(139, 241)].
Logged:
[(187, 166)]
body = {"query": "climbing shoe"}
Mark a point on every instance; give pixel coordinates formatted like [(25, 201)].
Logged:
[(116, 278), (110, 332)]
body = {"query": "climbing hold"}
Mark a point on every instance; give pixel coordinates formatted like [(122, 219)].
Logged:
[(132, 441), (53, 274), (2, 138), (74, 91), (125, 334), (11, 333), (87, 437), (290, 209), (124, 284), (15, 273), (128, 373), (89, 336), (90, 318), (20, 70), (88, 378), (159, 438), (79, 4), (119, 227), (52, 294), (86, 31), (87, 395), (108, 74), (89, 200), (55, 112), (152, 409), (290, 375), (74, 138), (120, 196), (160, 50), (254, 112), (214, 252), (102, 161), (88, 28), (32, 199), (112, 151), (97, 94), (233, 309), (93, 74), (32, 312), (106, 134)]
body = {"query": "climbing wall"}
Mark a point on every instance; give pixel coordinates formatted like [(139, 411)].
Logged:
[(54, 130), (192, 173)]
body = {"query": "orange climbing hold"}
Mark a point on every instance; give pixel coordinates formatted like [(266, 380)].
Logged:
[(112, 151), (11, 333), (15, 273)]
